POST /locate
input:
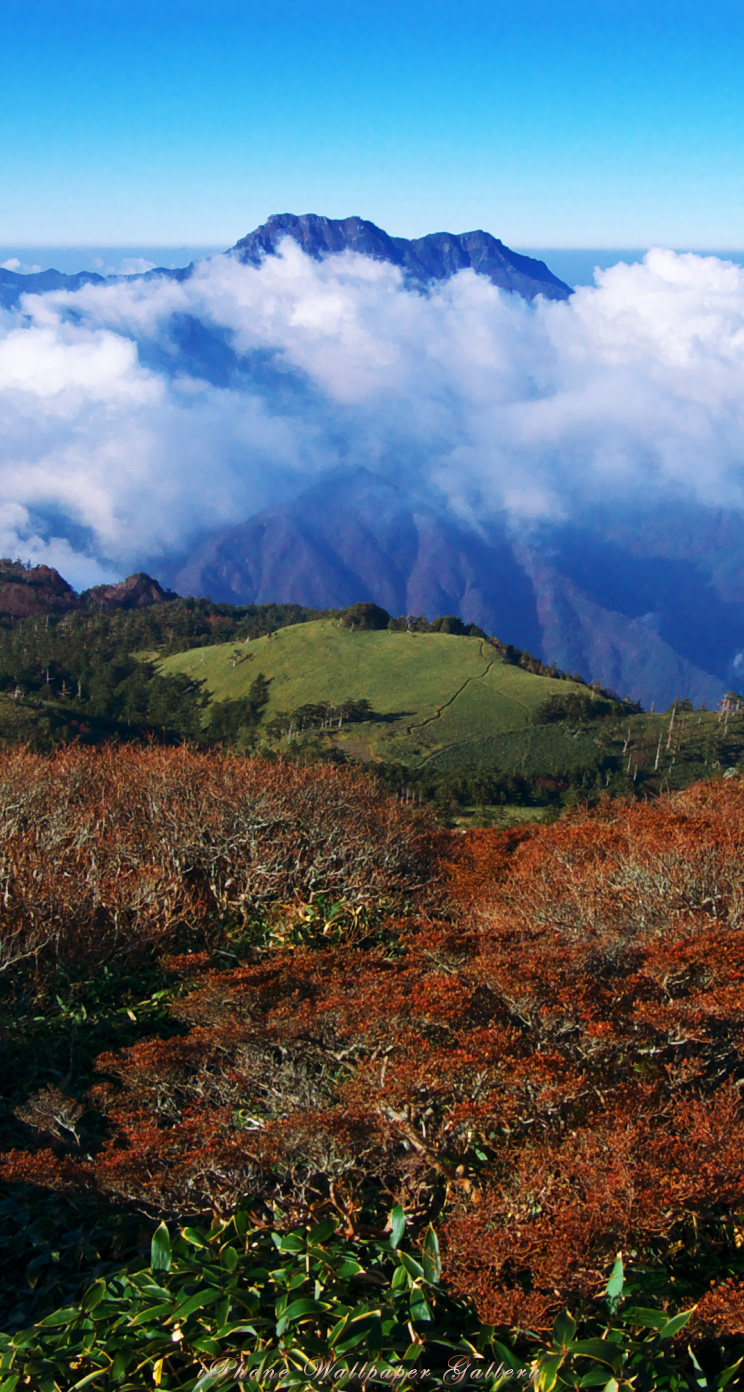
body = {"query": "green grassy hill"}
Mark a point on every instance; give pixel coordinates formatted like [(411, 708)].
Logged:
[(437, 699), (472, 726)]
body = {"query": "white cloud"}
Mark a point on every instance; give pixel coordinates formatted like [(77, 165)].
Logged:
[(13, 264), (120, 418), (133, 265), (66, 366), (19, 540)]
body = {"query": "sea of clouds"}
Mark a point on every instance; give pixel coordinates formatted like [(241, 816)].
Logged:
[(140, 415)]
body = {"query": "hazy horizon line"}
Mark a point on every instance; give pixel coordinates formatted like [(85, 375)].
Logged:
[(575, 266), (209, 246)]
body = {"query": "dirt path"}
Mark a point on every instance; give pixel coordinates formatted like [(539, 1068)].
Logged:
[(437, 714)]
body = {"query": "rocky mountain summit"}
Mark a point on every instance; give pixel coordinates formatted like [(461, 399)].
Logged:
[(423, 260), (26, 590), (29, 590), (136, 592)]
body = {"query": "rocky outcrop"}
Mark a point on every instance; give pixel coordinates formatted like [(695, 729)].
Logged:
[(29, 590), (136, 592)]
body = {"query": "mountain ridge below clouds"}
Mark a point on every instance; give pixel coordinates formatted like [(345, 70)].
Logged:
[(357, 536)]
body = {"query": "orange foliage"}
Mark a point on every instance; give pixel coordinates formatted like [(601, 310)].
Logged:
[(553, 1065), (721, 1311)]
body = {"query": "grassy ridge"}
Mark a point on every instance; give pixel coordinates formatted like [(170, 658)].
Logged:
[(434, 691)]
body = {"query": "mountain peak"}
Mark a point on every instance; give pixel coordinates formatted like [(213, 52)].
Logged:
[(136, 592), (29, 589), (423, 260), (26, 590)]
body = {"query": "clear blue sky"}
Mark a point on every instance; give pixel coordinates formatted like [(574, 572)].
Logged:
[(548, 122)]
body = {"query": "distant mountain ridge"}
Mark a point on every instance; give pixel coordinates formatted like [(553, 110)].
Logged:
[(423, 260), (14, 284)]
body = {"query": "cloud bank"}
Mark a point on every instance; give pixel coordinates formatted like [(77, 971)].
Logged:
[(137, 416)]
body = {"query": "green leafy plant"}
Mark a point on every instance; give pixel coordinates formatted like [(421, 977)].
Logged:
[(241, 1303), (208, 1302), (633, 1350)]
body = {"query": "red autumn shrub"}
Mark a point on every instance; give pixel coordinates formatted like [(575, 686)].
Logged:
[(721, 1310), (552, 1069)]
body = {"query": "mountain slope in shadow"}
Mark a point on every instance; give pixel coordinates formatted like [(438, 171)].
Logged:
[(357, 536)]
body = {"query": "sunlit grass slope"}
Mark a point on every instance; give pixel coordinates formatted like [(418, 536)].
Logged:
[(434, 691)]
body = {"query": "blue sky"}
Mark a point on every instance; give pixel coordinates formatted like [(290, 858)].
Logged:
[(580, 123)]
